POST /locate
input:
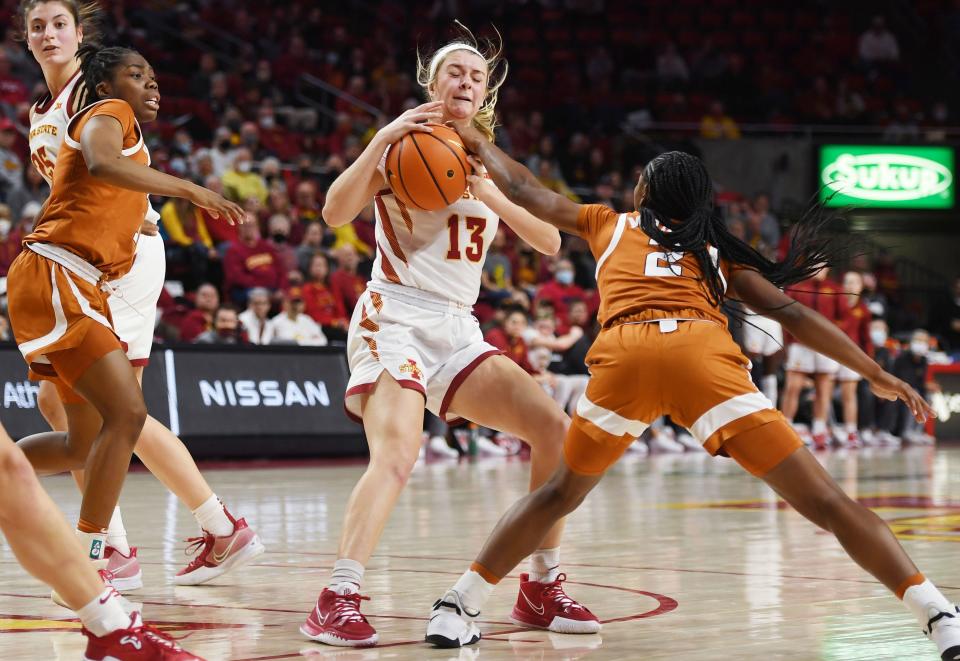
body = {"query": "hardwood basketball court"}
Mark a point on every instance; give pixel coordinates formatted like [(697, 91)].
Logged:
[(681, 557)]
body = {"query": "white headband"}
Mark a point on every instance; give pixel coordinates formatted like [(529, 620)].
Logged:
[(446, 50)]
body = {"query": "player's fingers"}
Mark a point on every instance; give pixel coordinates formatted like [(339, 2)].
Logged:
[(474, 180), (474, 161)]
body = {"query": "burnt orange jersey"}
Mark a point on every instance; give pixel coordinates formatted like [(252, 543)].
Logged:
[(95, 220), (636, 277)]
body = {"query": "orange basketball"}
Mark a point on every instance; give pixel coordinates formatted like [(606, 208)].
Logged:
[(428, 170)]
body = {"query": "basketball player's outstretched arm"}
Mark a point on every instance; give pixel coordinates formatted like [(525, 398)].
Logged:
[(101, 142), (822, 335), (519, 185), (357, 185)]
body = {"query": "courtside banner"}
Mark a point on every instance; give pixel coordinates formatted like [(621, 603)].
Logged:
[(263, 391), (945, 401), (886, 176), (224, 401)]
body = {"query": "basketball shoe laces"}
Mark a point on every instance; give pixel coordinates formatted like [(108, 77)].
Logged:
[(200, 548), (346, 608), (555, 592)]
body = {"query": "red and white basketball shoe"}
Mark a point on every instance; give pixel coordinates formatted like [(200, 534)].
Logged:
[(215, 556), (547, 606), (125, 569), (821, 440), (138, 642), (337, 620)]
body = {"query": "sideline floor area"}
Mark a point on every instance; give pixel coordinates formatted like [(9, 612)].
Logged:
[(681, 557)]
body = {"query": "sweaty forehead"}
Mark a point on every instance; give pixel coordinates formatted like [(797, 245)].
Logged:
[(466, 60)]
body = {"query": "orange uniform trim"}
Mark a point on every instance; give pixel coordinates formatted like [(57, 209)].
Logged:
[(387, 225), (405, 214), (916, 579), (387, 267), (366, 322), (761, 449), (485, 573), (377, 301), (372, 345)]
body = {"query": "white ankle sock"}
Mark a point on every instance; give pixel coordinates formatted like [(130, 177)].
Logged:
[(850, 427), (768, 384), (93, 543), (924, 601), (213, 518), (545, 565), (104, 614), (819, 427), (346, 577), (473, 590), (117, 534)]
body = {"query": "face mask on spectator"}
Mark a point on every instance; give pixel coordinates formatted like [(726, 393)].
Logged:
[(224, 144), (878, 337), (267, 122), (4, 228), (565, 277), (244, 166), (919, 348), (279, 238)]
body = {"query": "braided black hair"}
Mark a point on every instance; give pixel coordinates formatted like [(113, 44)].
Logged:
[(678, 213), (98, 64)]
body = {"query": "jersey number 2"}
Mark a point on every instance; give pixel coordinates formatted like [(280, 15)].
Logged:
[(662, 264), (44, 165), (475, 227)]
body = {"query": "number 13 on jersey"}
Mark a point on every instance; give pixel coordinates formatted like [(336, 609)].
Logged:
[(472, 226)]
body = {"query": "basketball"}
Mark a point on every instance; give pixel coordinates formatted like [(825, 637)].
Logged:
[(428, 170)]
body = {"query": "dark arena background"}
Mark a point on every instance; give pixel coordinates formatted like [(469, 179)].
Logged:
[(849, 108)]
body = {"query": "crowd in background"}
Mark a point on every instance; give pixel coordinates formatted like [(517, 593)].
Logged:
[(240, 115)]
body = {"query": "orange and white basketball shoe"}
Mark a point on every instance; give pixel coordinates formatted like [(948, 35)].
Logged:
[(125, 569), (138, 642), (547, 606), (215, 556), (337, 620)]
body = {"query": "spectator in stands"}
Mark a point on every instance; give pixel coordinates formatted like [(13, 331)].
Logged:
[(189, 242), (311, 244), (201, 318), (347, 285), (761, 225), (256, 318), (11, 167), (878, 44), (200, 81), (222, 153), (32, 188), (240, 183), (5, 334), (875, 301), (250, 140), (251, 262), (278, 231), (12, 90), (226, 328), (273, 176), (9, 249), (221, 234), (561, 290), (293, 325), (671, 67), (497, 277), (508, 337), (948, 321), (878, 417), (321, 304), (306, 206), (911, 366), (717, 124)]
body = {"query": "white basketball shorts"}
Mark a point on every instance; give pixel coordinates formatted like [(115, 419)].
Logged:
[(134, 305), (806, 360), (762, 336), (424, 341)]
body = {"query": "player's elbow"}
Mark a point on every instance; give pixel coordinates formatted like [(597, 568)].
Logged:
[(551, 243), (98, 168), (331, 217)]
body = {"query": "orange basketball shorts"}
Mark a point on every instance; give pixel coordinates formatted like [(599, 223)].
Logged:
[(61, 322), (695, 373)]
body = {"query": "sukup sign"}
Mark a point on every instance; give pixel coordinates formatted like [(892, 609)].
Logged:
[(885, 176)]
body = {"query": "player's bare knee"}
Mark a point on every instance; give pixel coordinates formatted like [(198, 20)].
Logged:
[(48, 401), (394, 467), (548, 432), (16, 473), (828, 507)]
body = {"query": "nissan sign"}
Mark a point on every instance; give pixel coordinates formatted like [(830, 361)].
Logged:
[(887, 176)]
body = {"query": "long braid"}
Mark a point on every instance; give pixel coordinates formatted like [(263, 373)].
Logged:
[(97, 66), (678, 213)]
